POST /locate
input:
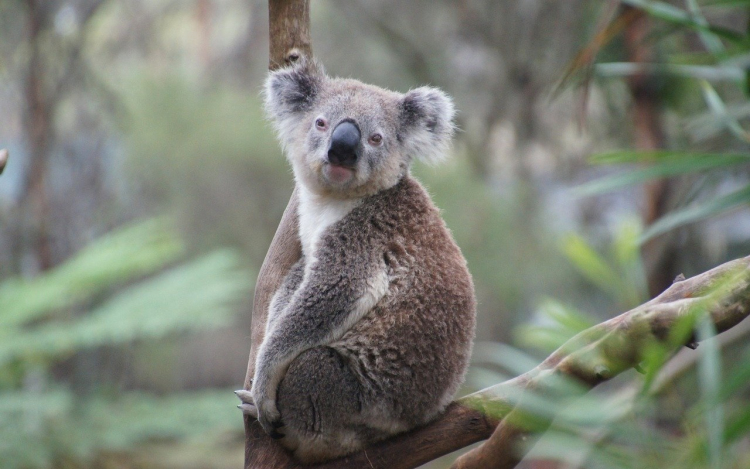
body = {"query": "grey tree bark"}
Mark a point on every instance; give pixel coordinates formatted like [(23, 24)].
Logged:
[(289, 22)]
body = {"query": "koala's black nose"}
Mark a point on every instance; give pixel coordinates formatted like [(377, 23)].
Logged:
[(344, 144)]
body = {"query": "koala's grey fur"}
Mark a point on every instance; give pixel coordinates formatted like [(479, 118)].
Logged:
[(370, 333)]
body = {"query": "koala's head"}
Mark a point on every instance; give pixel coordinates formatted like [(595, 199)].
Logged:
[(347, 139)]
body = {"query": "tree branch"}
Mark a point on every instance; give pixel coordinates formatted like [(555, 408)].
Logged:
[(289, 31), (285, 250), (607, 349), (290, 36)]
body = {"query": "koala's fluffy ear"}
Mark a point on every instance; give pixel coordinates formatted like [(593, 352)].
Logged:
[(427, 123), (292, 91)]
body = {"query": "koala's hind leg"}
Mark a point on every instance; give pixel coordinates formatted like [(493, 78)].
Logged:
[(319, 402)]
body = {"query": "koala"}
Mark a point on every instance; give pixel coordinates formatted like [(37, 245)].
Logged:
[(371, 331)]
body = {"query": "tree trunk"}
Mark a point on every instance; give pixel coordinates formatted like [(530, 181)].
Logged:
[(289, 30), (659, 254), (38, 135)]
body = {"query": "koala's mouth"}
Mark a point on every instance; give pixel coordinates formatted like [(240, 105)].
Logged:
[(343, 152), (338, 174)]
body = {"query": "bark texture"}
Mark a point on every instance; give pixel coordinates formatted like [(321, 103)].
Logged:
[(289, 30)]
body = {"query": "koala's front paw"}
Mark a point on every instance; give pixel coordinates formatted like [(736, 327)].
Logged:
[(268, 416)]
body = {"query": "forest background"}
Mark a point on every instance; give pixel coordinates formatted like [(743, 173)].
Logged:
[(144, 187)]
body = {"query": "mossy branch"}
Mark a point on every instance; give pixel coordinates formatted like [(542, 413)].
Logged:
[(607, 349)]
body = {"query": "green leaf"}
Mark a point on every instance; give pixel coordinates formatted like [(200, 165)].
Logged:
[(659, 156), (665, 164), (39, 426), (136, 417), (591, 264), (736, 380), (717, 106), (711, 42), (709, 372), (714, 73), (566, 322), (568, 318), (727, 3), (676, 16), (201, 294), (698, 212), (705, 125), (626, 250), (117, 257), (26, 417)]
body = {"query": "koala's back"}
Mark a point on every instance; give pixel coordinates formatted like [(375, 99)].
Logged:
[(411, 351)]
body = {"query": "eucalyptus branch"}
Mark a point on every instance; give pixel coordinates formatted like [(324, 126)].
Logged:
[(607, 349)]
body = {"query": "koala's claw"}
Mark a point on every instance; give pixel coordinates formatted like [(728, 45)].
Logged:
[(245, 396), (248, 405), (249, 409)]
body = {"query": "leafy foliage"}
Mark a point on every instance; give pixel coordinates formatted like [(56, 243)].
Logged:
[(640, 423), (643, 424), (114, 292), (719, 74)]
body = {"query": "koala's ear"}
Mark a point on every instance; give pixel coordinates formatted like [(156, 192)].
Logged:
[(427, 123), (293, 90)]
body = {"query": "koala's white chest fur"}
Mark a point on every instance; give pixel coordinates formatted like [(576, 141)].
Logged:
[(316, 213)]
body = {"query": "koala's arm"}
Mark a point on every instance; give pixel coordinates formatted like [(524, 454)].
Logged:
[(284, 294), (327, 304)]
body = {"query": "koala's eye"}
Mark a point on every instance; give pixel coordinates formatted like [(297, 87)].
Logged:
[(321, 123), (375, 139)]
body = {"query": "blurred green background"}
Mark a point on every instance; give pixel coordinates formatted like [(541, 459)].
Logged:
[(596, 160)]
